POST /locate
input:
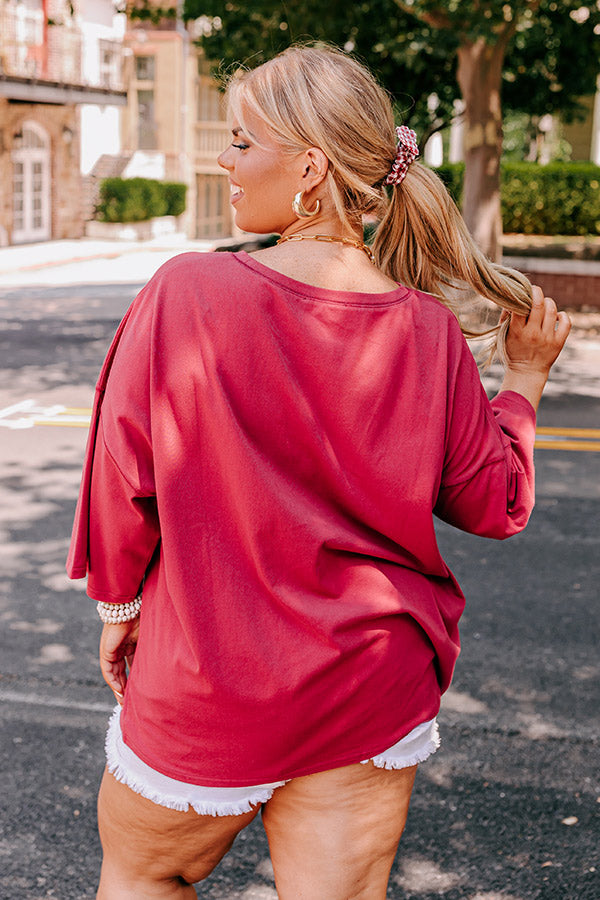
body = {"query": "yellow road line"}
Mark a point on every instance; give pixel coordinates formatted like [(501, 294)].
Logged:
[(569, 432), (551, 438), (568, 445), (64, 424)]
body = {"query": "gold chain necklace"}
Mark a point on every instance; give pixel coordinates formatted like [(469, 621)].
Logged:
[(329, 239)]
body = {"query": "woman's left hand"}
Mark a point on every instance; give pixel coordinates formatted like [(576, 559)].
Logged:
[(117, 648), (533, 344)]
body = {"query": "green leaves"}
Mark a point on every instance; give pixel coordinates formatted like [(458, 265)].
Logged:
[(560, 198), (138, 199), (552, 59)]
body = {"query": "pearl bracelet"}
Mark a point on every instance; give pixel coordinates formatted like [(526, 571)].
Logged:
[(113, 613)]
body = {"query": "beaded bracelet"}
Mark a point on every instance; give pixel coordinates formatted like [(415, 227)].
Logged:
[(113, 613)]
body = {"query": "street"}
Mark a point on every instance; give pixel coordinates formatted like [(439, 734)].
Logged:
[(508, 808)]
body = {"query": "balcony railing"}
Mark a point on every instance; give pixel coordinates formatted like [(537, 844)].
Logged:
[(211, 139), (29, 49)]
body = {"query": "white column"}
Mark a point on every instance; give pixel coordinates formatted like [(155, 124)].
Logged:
[(456, 150), (434, 150), (595, 143)]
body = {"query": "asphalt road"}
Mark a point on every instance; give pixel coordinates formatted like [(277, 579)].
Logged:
[(509, 807)]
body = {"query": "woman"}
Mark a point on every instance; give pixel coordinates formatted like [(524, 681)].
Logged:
[(272, 436)]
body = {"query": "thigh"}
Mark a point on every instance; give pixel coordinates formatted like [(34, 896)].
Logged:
[(146, 845), (334, 835)]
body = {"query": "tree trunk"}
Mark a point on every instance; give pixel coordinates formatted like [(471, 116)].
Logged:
[(479, 77)]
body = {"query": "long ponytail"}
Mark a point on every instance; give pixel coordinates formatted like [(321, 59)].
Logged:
[(422, 241)]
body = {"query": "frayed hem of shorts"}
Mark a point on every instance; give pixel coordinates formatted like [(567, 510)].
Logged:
[(130, 770), (203, 809), (124, 775), (389, 761)]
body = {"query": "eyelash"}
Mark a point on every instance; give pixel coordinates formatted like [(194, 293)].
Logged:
[(240, 146)]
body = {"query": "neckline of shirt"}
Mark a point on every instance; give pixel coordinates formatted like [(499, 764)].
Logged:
[(314, 292)]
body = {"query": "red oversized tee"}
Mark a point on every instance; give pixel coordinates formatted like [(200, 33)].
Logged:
[(269, 455)]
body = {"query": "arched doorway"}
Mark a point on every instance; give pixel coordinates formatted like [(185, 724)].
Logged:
[(31, 185)]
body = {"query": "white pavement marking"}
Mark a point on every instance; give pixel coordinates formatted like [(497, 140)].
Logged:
[(37, 700), (547, 438), (31, 414)]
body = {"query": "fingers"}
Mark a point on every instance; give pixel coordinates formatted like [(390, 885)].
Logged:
[(550, 313), (543, 315), (562, 328), (535, 316), (117, 649), (555, 326), (534, 342), (115, 677)]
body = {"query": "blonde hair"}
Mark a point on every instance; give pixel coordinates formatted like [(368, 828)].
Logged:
[(318, 96)]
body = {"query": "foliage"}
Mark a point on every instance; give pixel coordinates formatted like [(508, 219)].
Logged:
[(555, 199), (138, 199), (554, 60), (146, 11), (174, 192), (452, 174), (534, 139), (553, 52), (560, 198), (403, 53)]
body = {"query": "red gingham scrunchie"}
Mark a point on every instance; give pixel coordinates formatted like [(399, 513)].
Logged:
[(407, 150)]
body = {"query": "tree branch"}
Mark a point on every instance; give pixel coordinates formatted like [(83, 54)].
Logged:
[(437, 19)]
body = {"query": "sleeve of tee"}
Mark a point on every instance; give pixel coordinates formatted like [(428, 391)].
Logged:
[(123, 528), (116, 529), (487, 486)]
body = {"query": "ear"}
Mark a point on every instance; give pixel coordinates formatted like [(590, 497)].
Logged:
[(316, 165)]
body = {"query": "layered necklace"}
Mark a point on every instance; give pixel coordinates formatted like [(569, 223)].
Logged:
[(329, 239)]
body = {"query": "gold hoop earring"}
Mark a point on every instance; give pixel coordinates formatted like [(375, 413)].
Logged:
[(301, 211)]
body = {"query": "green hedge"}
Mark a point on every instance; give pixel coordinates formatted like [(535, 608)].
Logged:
[(138, 199), (560, 198), (175, 195)]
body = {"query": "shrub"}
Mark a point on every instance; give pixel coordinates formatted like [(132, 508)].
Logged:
[(175, 193), (137, 199), (559, 198)]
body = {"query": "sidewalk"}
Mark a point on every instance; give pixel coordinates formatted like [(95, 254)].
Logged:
[(575, 283), (89, 261)]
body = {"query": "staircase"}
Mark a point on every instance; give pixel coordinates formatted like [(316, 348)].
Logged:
[(107, 166)]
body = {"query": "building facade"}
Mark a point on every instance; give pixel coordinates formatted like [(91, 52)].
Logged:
[(57, 58), (174, 124)]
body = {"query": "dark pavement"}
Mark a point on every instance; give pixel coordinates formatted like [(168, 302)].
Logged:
[(509, 807)]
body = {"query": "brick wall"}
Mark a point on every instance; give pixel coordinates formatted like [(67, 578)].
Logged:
[(61, 125), (572, 283)]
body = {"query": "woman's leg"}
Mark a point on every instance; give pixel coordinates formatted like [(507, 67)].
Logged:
[(153, 852), (334, 835)]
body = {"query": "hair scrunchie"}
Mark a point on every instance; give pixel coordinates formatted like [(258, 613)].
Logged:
[(407, 150)]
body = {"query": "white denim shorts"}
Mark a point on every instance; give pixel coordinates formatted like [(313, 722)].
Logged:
[(129, 769)]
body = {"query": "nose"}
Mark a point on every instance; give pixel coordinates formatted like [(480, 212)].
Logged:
[(223, 159)]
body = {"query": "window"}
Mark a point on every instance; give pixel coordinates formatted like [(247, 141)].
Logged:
[(110, 64), (144, 68), (146, 125), (209, 105), (212, 206), (31, 184), (18, 191)]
